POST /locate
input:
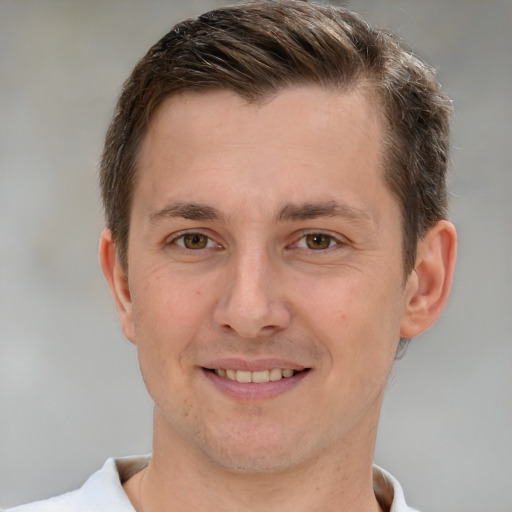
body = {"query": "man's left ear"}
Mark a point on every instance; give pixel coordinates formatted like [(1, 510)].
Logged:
[(428, 286)]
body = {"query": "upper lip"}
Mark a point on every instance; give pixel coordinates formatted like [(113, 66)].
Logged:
[(254, 365)]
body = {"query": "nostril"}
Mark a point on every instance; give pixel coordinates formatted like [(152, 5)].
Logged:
[(251, 315)]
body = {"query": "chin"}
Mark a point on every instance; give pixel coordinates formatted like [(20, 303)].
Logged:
[(260, 451), (249, 463)]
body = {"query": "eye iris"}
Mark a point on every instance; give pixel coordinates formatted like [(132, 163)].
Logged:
[(318, 241), (195, 241)]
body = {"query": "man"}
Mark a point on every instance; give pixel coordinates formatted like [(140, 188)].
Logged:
[(274, 188)]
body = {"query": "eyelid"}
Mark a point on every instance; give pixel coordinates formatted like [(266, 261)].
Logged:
[(337, 238), (172, 239)]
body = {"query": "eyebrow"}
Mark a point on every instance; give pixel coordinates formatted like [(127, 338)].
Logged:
[(290, 212), (297, 212), (190, 211)]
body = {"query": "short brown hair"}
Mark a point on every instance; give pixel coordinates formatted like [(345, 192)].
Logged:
[(259, 48)]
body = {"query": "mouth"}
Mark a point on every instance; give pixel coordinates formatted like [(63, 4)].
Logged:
[(256, 377)]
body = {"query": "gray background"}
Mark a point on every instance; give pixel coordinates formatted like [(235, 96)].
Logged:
[(70, 394)]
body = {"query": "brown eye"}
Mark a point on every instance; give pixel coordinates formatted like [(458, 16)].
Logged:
[(318, 241), (195, 241)]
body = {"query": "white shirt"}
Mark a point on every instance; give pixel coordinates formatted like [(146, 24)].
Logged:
[(103, 491)]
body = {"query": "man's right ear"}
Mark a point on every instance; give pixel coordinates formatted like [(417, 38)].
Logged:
[(118, 282)]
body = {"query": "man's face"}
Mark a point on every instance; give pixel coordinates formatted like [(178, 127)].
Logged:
[(263, 243)]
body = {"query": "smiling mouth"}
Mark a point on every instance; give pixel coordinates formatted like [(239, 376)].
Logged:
[(258, 377)]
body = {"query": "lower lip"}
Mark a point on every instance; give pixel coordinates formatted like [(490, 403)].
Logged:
[(255, 391)]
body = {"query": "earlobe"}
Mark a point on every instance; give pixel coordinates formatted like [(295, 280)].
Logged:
[(429, 284), (118, 282)]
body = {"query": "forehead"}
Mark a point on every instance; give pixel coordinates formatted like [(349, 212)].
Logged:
[(308, 107), (324, 137)]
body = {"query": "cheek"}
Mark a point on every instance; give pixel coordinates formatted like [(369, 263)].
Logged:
[(164, 322), (165, 299), (354, 317)]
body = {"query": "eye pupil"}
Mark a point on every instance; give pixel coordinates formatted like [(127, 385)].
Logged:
[(195, 241), (318, 241)]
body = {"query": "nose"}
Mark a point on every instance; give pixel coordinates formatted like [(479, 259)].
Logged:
[(252, 303)]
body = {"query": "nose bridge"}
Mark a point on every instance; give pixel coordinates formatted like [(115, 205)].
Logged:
[(251, 304)]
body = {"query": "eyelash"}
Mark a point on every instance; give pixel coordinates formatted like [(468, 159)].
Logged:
[(333, 241), (180, 241), (301, 243)]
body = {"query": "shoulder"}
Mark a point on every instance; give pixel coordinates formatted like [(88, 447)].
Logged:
[(389, 492), (69, 502), (102, 492)]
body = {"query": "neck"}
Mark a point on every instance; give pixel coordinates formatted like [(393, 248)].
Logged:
[(180, 479)]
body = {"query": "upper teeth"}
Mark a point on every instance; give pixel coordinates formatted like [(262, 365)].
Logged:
[(260, 376)]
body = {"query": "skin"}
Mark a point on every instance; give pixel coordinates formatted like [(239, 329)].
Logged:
[(290, 257)]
